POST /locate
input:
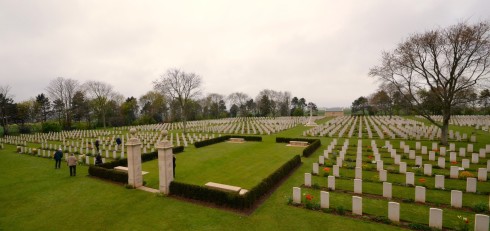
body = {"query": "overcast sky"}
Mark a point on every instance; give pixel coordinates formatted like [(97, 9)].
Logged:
[(319, 50)]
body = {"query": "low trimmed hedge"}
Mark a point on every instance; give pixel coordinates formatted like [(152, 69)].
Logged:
[(313, 144), (106, 170), (220, 139), (233, 200)]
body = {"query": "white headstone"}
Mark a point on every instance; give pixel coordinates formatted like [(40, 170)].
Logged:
[(403, 167), (387, 187), (296, 195), (331, 183), (465, 163), (482, 222), (394, 211), (475, 158), (420, 194), (471, 184), (409, 178), (336, 171), (358, 174), (432, 155), (379, 165), (452, 147), (441, 162), (324, 200), (482, 174), (383, 175), (435, 218), (357, 205), (428, 169), (358, 186), (454, 172), (308, 179), (452, 156), (456, 198), (439, 184), (315, 168)]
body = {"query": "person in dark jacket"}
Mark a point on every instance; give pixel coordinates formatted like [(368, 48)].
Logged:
[(118, 142), (97, 143), (98, 159), (57, 157), (174, 159)]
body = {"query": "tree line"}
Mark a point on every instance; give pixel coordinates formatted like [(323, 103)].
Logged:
[(176, 97)]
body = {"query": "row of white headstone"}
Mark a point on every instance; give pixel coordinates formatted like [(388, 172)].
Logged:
[(435, 214)]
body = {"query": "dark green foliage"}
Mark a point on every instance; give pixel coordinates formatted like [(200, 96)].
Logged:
[(51, 127), (234, 200), (417, 226), (24, 129), (109, 174), (480, 207), (381, 219), (314, 144), (220, 139)]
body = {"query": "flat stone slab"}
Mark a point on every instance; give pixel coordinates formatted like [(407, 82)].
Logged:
[(223, 187), (243, 192), (236, 140), (146, 189), (293, 143), (125, 169)]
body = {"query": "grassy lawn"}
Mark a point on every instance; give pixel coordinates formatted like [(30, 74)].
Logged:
[(243, 165)]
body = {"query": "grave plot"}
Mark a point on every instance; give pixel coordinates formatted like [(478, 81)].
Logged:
[(401, 182), (479, 122), (382, 127), (238, 164)]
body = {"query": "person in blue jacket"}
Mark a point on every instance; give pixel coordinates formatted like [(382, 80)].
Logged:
[(57, 157)]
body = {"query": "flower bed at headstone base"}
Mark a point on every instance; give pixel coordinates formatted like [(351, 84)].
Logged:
[(106, 170), (234, 200), (220, 139), (314, 144)]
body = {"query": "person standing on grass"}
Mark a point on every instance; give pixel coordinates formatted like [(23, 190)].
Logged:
[(98, 159), (72, 163), (57, 157), (118, 142), (97, 143), (174, 159)]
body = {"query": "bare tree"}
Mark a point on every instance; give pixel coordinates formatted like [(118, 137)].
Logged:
[(100, 93), (63, 90), (447, 62), (240, 99), (180, 86)]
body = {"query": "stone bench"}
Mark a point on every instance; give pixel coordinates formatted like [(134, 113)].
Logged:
[(298, 143), (236, 140), (226, 188), (125, 169)]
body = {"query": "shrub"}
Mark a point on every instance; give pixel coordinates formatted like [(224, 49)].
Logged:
[(36, 127), (109, 174), (340, 210), (13, 129), (465, 174), (314, 144), (1, 131), (382, 219), (51, 127), (417, 226), (24, 129), (480, 207)]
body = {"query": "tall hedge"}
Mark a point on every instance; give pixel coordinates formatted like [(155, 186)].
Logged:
[(313, 144), (234, 200), (220, 139)]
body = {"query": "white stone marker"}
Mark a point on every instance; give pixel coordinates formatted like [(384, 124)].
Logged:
[(452, 147), (336, 171), (428, 169), (475, 158), (394, 211), (454, 172), (409, 178), (471, 184), (87, 160), (418, 161), (462, 152), (387, 190), (488, 165), (331, 183), (483, 153), (383, 175), (441, 162), (403, 167), (358, 173), (315, 168), (135, 178), (339, 161), (452, 156), (434, 146), (420, 194), (358, 186), (308, 179), (470, 148), (439, 182), (379, 165), (357, 205), (481, 222), (424, 149), (411, 154), (435, 218), (321, 160), (465, 163), (432, 155), (397, 159), (456, 198), (442, 151), (482, 174), (296, 195), (324, 200), (165, 163)]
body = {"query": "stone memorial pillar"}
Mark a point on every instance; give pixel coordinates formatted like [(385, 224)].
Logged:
[(135, 178), (165, 163)]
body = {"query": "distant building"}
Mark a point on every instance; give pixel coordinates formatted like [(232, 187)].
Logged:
[(334, 112)]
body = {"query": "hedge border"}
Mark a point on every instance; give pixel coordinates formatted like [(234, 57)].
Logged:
[(314, 144), (234, 200), (220, 139)]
